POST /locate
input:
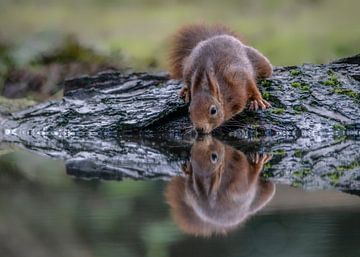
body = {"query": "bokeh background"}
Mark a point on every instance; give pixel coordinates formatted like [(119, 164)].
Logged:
[(288, 31), (43, 42)]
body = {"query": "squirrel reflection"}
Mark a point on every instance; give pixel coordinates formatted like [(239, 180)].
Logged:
[(220, 190)]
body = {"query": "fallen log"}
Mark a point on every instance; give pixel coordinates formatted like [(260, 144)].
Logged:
[(115, 125)]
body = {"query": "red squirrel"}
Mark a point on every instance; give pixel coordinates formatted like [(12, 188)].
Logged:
[(219, 74), (220, 190)]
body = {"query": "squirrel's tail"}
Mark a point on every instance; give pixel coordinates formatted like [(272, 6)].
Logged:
[(186, 39)]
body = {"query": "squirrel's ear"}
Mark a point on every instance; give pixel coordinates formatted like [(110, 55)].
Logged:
[(212, 83), (196, 80)]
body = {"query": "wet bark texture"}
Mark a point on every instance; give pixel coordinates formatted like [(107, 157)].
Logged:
[(114, 125)]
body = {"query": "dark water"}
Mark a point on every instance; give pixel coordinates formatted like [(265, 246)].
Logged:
[(45, 212)]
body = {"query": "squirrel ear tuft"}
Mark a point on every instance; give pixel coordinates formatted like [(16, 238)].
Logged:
[(213, 83), (196, 79)]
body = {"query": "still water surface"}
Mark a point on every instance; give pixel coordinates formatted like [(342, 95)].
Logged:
[(45, 212)]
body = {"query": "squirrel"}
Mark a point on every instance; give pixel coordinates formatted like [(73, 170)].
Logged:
[(220, 190), (219, 74)]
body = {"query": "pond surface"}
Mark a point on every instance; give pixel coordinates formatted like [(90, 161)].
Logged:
[(218, 205)]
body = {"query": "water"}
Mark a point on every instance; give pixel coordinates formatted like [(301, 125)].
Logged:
[(46, 212)]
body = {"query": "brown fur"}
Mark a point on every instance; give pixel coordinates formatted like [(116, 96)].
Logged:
[(219, 72), (216, 197), (186, 39)]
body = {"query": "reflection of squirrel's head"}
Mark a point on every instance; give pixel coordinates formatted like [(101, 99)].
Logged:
[(206, 107), (220, 190)]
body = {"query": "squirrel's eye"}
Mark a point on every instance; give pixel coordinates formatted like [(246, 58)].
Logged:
[(213, 110), (214, 157)]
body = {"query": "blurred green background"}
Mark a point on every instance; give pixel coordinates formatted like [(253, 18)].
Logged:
[(43, 42), (288, 31)]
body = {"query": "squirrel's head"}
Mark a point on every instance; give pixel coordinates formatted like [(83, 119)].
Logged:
[(220, 190), (207, 161), (206, 107)]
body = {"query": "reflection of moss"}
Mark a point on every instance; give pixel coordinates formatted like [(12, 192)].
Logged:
[(334, 177), (340, 138), (302, 173), (298, 153), (295, 72), (302, 86), (299, 175), (267, 165), (352, 165), (296, 184), (339, 126), (299, 108), (277, 110), (280, 152), (266, 173)]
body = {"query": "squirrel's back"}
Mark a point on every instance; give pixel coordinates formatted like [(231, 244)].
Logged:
[(186, 39)]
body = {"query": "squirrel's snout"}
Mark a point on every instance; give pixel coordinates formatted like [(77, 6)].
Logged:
[(200, 130), (203, 130)]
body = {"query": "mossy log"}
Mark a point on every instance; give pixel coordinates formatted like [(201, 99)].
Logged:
[(135, 125)]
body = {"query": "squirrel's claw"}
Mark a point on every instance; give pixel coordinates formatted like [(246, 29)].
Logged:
[(266, 103), (254, 105), (265, 158), (260, 158), (259, 103)]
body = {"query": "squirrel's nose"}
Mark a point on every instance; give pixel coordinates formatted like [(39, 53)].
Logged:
[(200, 130), (203, 130)]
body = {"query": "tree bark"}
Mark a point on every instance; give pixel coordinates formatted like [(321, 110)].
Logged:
[(135, 125)]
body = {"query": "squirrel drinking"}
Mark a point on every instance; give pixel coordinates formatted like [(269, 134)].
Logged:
[(219, 74)]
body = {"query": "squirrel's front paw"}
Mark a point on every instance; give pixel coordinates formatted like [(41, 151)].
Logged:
[(257, 103), (264, 158), (259, 160), (185, 94)]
